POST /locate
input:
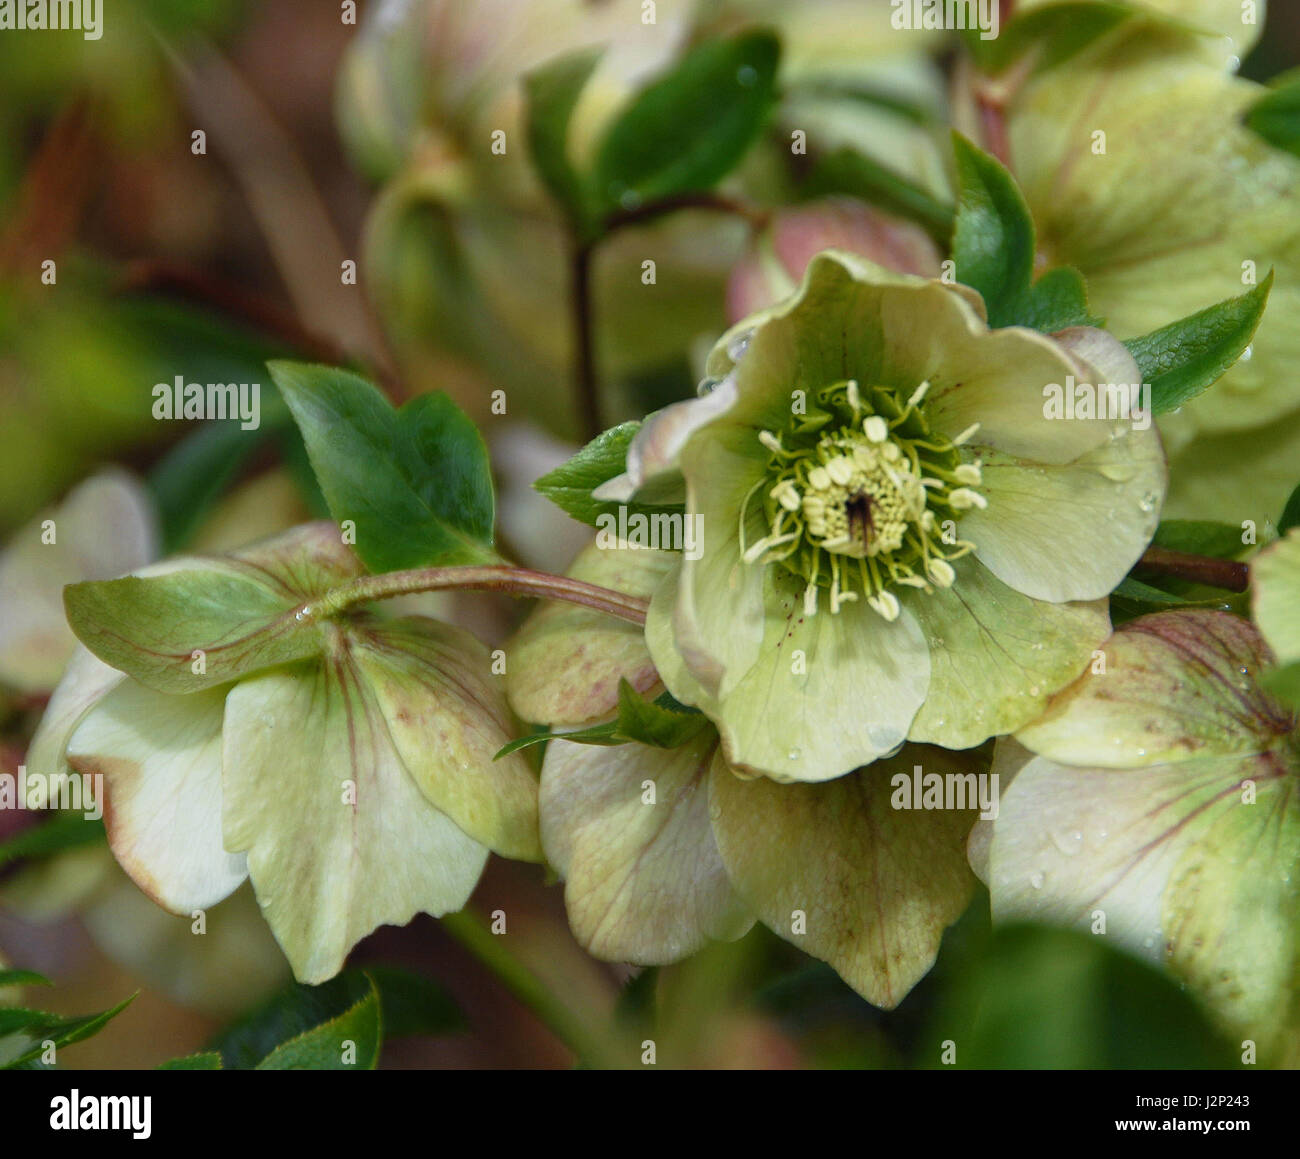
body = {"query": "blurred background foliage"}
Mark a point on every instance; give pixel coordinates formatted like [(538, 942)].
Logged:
[(327, 143)]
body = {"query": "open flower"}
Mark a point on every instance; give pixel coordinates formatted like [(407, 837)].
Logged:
[(899, 543), (664, 849), (1155, 802), (342, 762)]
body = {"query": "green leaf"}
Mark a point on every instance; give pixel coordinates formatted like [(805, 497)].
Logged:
[(347, 1006), (570, 485), (847, 171), (1037, 998), (415, 481), (414, 1004), (40, 1027), (663, 723), (60, 833), (687, 129), (1290, 513), (349, 1041), (552, 92), (993, 238), (1184, 358), (1276, 115), (1058, 300), (1283, 683), (23, 978), (1054, 33), (1200, 537), (204, 1060)]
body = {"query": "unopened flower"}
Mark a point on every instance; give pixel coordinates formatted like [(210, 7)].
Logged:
[(342, 762), (1156, 802), (665, 849), (899, 543), (779, 255)]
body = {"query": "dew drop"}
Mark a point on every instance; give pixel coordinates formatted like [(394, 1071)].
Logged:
[(1036, 880), (1069, 842), (1246, 354), (739, 344), (1148, 501), (1034, 690), (793, 755), (747, 76)]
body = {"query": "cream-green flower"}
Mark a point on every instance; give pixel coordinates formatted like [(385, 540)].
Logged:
[(899, 542)]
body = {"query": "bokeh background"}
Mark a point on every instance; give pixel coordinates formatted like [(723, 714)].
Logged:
[(324, 143)]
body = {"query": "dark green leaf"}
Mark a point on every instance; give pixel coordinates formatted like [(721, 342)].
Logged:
[(416, 482), (1038, 998), (296, 1012), (686, 130), (655, 722), (1290, 513), (1054, 33), (1276, 115), (1059, 299), (23, 978), (1184, 358), (39, 1028), (849, 172), (351, 1040), (413, 1004), (570, 485), (552, 91), (1200, 537), (1283, 683), (204, 1060), (993, 238), (63, 831)]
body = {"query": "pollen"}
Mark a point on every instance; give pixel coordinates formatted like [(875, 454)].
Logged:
[(861, 498)]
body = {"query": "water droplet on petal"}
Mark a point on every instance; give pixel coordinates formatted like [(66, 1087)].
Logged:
[(793, 755), (1036, 880), (739, 344)]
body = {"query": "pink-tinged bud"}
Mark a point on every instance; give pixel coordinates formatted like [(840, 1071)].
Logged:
[(775, 263)]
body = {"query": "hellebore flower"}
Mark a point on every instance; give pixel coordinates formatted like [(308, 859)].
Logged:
[(1156, 803), (898, 542), (1139, 172), (342, 762), (663, 849)]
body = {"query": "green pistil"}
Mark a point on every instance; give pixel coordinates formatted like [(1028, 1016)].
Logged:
[(856, 496)]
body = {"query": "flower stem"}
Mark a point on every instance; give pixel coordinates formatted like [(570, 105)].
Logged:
[(580, 305), (516, 581), (1228, 574), (591, 1048)]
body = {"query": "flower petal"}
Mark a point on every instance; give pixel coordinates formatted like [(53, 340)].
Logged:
[(875, 886), (564, 665), (160, 757), (85, 680), (103, 529), (1275, 584), (1176, 686), (1174, 860), (339, 836), (996, 656), (1162, 222), (644, 882), (1069, 532), (447, 720)]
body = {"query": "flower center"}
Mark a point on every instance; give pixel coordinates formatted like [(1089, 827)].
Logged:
[(860, 496)]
